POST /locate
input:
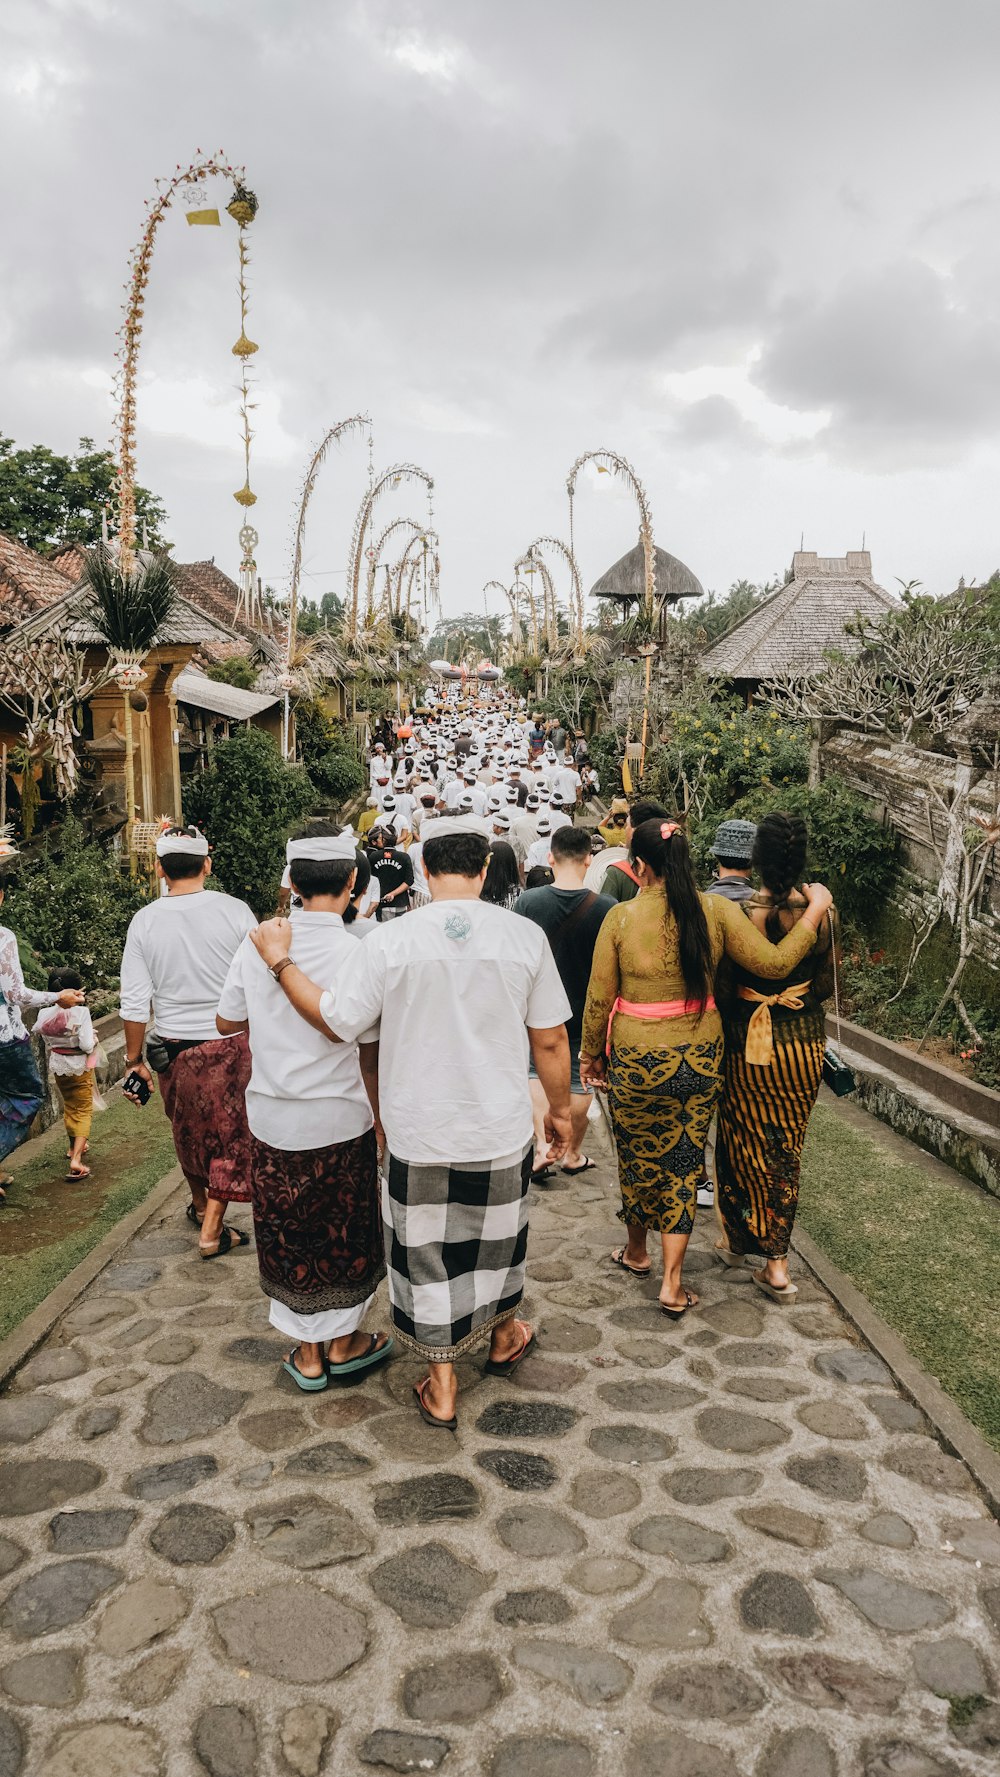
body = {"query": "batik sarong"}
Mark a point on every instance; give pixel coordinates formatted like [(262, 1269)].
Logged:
[(318, 1223), (458, 1237), (204, 1095), (21, 1094), (764, 1112), (661, 1103)]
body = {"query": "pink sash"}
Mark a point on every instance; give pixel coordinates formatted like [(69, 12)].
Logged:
[(655, 1009)]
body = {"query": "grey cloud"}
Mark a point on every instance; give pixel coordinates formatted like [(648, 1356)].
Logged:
[(896, 359), (601, 193)]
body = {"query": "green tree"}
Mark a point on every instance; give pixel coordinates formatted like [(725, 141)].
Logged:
[(46, 499), (239, 670), (328, 753), (246, 802)]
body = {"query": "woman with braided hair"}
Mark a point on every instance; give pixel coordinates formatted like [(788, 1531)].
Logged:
[(653, 1038), (775, 1039)]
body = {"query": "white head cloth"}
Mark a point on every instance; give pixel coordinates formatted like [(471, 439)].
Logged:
[(444, 826), (193, 844), (320, 851)]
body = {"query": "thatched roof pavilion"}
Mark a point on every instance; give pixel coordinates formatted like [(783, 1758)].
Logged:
[(791, 631), (625, 582)]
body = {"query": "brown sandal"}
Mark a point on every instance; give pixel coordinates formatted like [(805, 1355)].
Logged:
[(426, 1415)]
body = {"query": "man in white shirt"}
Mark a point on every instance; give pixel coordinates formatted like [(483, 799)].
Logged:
[(537, 855), (177, 954), (312, 1107), (568, 783), (457, 983)]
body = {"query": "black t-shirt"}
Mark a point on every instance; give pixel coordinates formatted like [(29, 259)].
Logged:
[(391, 868), (550, 907)]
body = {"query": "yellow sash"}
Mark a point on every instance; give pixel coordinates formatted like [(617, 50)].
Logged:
[(760, 1033)]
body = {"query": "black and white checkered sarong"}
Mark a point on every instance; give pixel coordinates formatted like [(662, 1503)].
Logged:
[(456, 1239)]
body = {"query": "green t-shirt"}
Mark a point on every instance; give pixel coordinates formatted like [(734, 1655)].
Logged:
[(618, 884)]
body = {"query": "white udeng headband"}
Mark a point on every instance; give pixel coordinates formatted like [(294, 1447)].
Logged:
[(192, 845), (320, 851), (446, 825)]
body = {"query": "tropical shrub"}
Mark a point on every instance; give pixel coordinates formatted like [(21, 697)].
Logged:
[(720, 752), (327, 751), (848, 850), (246, 802), (70, 905)]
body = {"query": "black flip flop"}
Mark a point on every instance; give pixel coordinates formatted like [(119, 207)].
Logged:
[(588, 1166), (192, 1215), (678, 1313), (618, 1259), (542, 1172), (427, 1416), (509, 1364), (228, 1238)]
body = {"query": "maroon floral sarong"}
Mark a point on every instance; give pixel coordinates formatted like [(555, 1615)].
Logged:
[(204, 1095), (318, 1223)]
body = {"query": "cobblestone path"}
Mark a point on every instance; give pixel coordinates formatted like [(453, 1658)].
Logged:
[(729, 1546)]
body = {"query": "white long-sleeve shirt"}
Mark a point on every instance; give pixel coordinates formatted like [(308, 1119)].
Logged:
[(177, 956), (13, 992)]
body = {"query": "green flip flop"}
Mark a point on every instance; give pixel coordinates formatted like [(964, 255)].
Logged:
[(369, 1360), (308, 1384)]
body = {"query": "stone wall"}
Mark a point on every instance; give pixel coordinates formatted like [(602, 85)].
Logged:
[(892, 776)]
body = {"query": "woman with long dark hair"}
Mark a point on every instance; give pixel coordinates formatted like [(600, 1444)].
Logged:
[(503, 879), (775, 1038), (653, 1037)]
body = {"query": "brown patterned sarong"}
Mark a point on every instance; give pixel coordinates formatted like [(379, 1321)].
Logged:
[(204, 1095), (318, 1223)]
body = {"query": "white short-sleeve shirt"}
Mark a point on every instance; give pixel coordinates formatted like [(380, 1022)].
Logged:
[(304, 1092), (456, 986)]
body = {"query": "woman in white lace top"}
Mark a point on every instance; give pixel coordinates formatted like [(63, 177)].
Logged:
[(21, 1088)]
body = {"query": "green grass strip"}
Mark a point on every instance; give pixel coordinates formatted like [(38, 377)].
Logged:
[(924, 1251), (147, 1151)]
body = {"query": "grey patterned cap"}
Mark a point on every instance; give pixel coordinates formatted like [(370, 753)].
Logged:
[(734, 839)]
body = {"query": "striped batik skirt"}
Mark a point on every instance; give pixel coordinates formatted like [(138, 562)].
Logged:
[(763, 1116), (456, 1240)]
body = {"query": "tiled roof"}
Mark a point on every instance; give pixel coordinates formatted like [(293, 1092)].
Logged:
[(28, 581), (791, 630)]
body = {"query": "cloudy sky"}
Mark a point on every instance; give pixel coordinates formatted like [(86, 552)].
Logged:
[(755, 248)]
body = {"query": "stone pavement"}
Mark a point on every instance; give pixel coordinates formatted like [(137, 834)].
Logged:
[(727, 1546)]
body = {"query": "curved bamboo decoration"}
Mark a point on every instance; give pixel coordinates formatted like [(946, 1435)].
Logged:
[(316, 462), (516, 631), (613, 464), (424, 538), (375, 557), (388, 478), (130, 334), (550, 624), (566, 552)]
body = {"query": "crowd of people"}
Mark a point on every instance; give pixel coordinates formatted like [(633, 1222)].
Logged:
[(384, 1105)]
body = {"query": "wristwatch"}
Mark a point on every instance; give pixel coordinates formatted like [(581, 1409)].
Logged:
[(284, 962)]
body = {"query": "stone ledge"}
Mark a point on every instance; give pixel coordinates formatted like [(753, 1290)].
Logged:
[(936, 1109)]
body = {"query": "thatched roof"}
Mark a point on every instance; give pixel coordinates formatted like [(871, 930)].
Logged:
[(791, 630), (68, 617), (626, 580)]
